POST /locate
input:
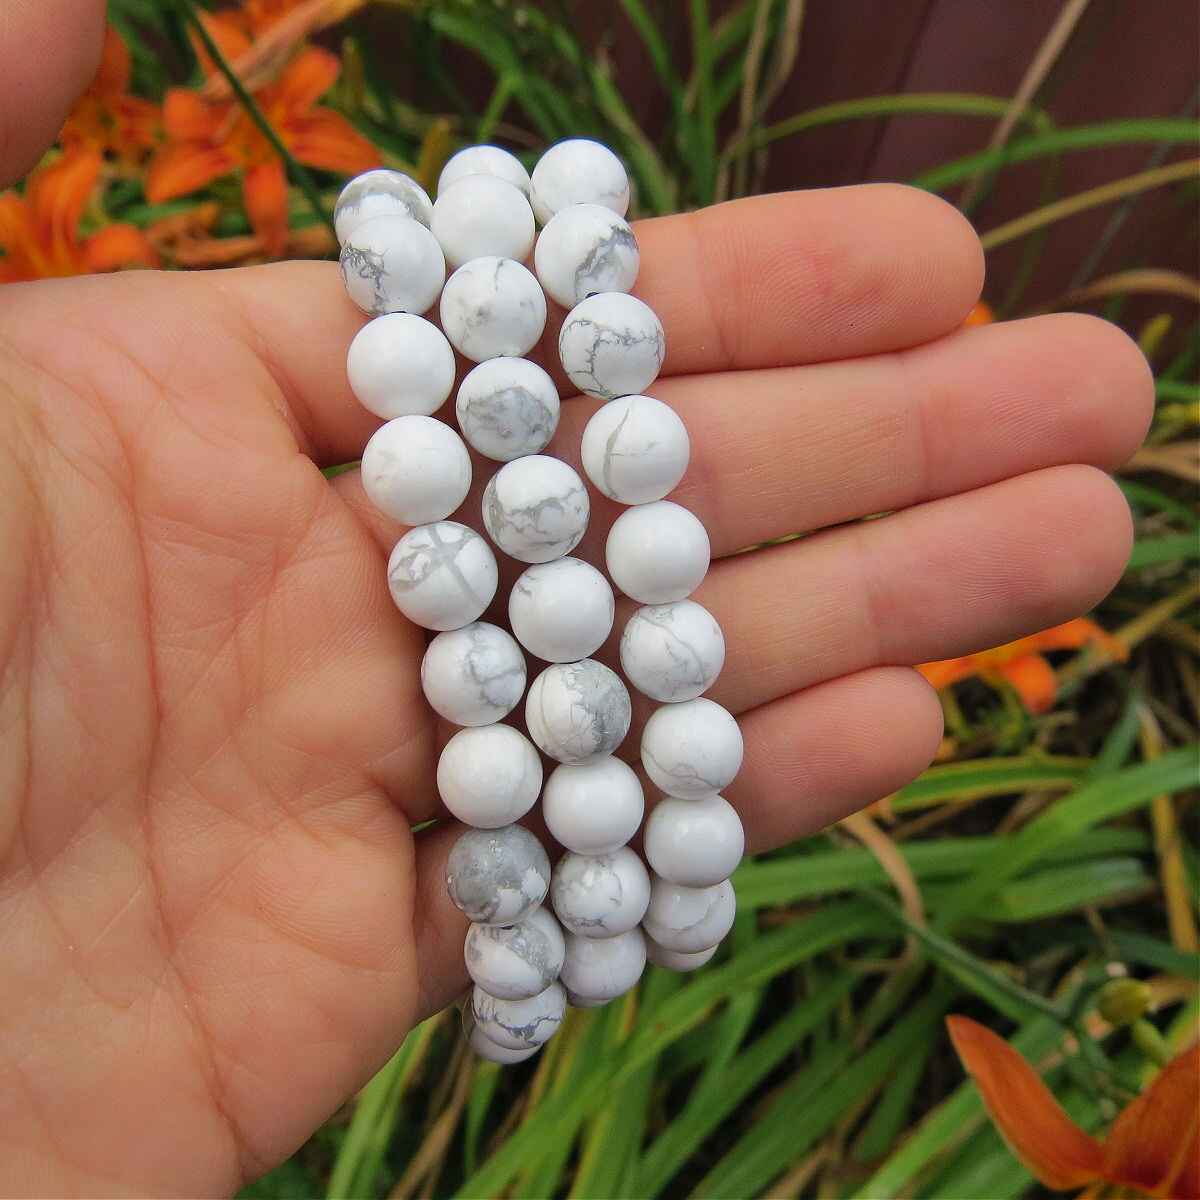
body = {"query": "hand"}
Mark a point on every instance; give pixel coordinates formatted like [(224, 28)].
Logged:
[(214, 921)]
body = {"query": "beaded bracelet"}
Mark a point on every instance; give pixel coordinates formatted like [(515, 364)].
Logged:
[(607, 915)]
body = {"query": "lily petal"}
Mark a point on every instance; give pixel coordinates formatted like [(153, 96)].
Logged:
[(117, 246), (326, 140), (178, 170), (265, 194), (188, 118), (57, 195), (1033, 679), (946, 671), (112, 77), (307, 78)]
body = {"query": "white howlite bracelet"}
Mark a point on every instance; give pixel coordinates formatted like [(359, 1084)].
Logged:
[(579, 933)]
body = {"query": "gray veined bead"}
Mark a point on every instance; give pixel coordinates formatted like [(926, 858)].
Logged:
[(497, 876), (672, 652), (611, 345), (519, 1024), (474, 675), (536, 508), (586, 249), (577, 711), (379, 193), (600, 895), (507, 408), (514, 962)]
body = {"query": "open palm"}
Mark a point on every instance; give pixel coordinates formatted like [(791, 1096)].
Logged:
[(214, 920)]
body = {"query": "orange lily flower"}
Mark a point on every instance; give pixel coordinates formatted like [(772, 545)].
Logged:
[(1021, 663), (981, 314), (1153, 1146), (39, 231)]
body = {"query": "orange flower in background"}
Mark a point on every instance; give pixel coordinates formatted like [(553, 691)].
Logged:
[(39, 231), (1153, 1146), (1021, 663), (981, 314)]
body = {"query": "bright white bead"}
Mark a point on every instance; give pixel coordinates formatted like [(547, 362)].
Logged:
[(696, 843), (515, 962), (474, 675), (635, 449), (597, 970), (561, 611), (687, 919), (507, 408), (674, 960), (442, 576), (611, 345), (483, 1045), (594, 807), (392, 264), (400, 364), (379, 193), (482, 215), (691, 749), (489, 776), (536, 508), (578, 171), (484, 160), (578, 710), (583, 250), (657, 552), (600, 895), (416, 470), (672, 652), (492, 307), (519, 1024), (497, 876)]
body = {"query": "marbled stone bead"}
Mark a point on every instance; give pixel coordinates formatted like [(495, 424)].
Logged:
[(442, 576), (489, 776), (672, 652), (674, 960), (379, 193), (593, 807), (400, 365), (482, 215), (519, 1024), (561, 611), (688, 920), (658, 552), (696, 843), (514, 962), (578, 710), (600, 895), (474, 675), (585, 249), (611, 345), (483, 1045), (497, 876), (597, 970), (393, 264), (416, 470), (484, 160), (578, 171), (691, 749), (536, 508), (492, 307), (507, 408), (635, 449)]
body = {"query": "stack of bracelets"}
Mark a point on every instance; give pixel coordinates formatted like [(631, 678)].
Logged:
[(581, 933)]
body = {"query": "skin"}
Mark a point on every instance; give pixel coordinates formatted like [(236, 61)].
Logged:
[(214, 921)]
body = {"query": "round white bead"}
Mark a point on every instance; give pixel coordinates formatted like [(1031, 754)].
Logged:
[(493, 307), (635, 449), (691, 749), (416, 470), (474, 675), (400, 365), (695, 843), (484, 160), (497, 876), (514, 962), (489, 776), (597, 970), (519, 1024), (577, 710), (674, 960), (442, 576), (507, 408), (611, 345), (392, 264), (583, 250), (687, 919), (483, 1045), (482, 215), (672, 652), (536, 508), (595, 807), (561, 611), (600, 895), (578, 171), (379, 193), (657, 552)]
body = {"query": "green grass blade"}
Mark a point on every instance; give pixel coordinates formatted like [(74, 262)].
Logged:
[(1066, 889), (1141, 495), (891, 1112), (1153, 552), (704, 164), (974, 780)]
